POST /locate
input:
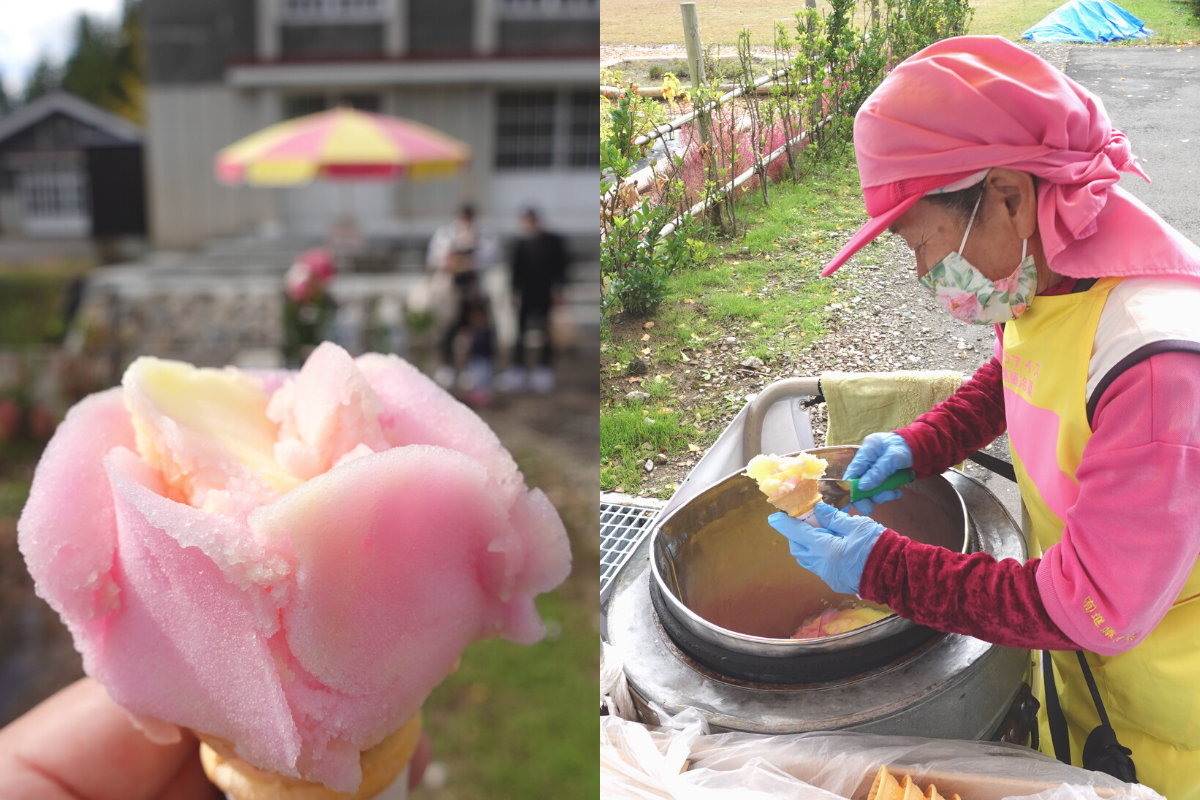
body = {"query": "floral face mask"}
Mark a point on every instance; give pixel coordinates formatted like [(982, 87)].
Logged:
[(966, 294)]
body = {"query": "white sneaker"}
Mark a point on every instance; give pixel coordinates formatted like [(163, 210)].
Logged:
[(511, 380), (542, 380), (443, 376)]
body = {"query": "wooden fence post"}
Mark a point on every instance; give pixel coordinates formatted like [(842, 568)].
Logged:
[(691, 37)]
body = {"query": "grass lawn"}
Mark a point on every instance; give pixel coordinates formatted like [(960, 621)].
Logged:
[(520, 722), (658, 21), (1171, 20), (768, 300), (31, 302)]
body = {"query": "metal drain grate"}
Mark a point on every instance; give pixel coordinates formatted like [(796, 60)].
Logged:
[(622, 528)]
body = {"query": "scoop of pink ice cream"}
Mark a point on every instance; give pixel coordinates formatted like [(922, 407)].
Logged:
[(290, 563)]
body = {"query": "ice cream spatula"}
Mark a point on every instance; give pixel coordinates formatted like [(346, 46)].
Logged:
[(841, 493)]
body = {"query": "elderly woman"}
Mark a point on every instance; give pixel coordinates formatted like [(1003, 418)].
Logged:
[(1000, 174)]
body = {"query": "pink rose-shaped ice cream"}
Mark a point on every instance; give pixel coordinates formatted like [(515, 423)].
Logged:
[(288, 562)]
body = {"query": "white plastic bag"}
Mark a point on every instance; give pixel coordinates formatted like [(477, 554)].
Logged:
[(637, 762), (614, 689)]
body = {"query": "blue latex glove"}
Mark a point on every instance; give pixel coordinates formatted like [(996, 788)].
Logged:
[(837, 551), (881, 454)]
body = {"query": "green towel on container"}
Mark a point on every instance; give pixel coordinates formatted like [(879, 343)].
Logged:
[(862, 403)]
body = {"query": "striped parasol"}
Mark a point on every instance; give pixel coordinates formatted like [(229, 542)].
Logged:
[(342, 143)]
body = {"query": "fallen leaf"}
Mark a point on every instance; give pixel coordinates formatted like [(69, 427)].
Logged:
[(693, 448), (645, 351), (684, 358), (645, 337), (690, 300), (649, 325)]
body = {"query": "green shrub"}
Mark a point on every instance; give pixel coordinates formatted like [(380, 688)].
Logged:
[(656, 72)]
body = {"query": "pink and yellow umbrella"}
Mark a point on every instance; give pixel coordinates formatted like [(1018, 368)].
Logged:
[(341, 143)]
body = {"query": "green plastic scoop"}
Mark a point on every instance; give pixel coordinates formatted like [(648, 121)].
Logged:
[(840, 494)]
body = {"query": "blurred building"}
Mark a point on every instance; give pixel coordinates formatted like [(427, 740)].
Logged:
[(70, 173), (514, 79)]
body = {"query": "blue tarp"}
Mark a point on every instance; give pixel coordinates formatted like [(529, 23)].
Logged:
[(1088, 21)]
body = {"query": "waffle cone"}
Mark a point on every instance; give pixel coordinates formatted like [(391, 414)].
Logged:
[(910, 789), (242, 781), (885, 787), (799, 502), (932, 793)]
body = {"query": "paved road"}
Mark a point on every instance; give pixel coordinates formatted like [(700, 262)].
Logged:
[(1153, 95)]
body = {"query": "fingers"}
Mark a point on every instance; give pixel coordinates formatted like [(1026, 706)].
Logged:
[(789, 527), (829, 516), (814, 551), (79, 743), (876, 475), (871, 449), (885, 496), (798, 534), (420, 760), (865, 506)]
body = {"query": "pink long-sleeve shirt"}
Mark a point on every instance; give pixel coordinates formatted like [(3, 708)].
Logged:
[(1129, 543)]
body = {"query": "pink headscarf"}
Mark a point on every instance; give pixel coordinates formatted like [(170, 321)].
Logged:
[(974, 102)]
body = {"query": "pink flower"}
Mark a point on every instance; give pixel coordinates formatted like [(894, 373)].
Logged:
[(1009, 284), (289, 562), (299, 283), (321, 262), (958, 303)]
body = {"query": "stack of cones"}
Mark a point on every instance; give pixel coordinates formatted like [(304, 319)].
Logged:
[(382, 765), (886, 787)]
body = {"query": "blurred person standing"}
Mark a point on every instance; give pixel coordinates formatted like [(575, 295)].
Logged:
[(539, 270), (465, 252)]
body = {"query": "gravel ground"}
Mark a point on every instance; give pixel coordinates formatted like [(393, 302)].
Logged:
[(897, 325)]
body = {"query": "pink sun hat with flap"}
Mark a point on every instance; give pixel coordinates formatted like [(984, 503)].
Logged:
[(963, 105)]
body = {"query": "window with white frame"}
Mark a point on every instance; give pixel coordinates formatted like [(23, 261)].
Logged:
[(331, 11), (525, 129), (547, 128), (585, 130), (52, 192)]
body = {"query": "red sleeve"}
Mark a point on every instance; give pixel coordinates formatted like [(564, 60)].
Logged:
[(976, 595), (967, 421)]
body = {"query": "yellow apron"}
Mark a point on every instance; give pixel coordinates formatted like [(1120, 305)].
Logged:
[(1152, 691)]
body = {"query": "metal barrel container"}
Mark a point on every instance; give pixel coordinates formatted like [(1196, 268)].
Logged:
[(730, 595)]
